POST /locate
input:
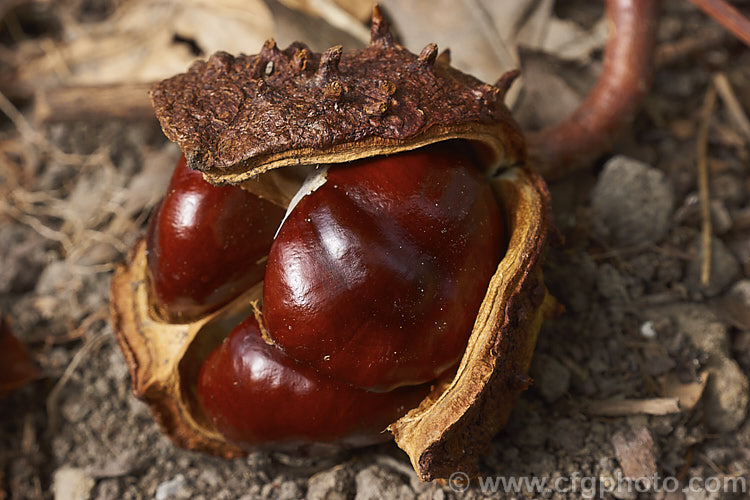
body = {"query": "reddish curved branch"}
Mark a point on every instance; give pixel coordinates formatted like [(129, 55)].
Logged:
[(613, 102), (727, 16)]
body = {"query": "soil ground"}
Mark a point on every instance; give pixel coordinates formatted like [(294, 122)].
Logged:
[(638, 323)]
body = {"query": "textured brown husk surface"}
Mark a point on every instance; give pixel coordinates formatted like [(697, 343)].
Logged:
[(235, 117)]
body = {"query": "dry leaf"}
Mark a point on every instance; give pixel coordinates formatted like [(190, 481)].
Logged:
[(139, 42), (636, 452), (734, 305), (486, 39), (464, 27), (348, 16), (567, 40), (553, 88), (147, 187), (16, 369), (522, 23), (358, 9)]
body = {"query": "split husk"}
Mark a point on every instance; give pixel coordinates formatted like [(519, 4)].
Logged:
[(239, 120)]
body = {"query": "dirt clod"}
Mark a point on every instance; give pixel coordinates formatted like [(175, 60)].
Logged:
[(724, 269), (376, 482), (726, 396), (551, 378), (174, 488), (331, 484), (632, 203), (70, 483), (636, 452)]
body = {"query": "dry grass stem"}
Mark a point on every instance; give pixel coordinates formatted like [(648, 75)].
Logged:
[(36, 138), (694, 43), (703, 186), (736, 111)]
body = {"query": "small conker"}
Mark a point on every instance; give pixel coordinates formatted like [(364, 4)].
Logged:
[(206, 244), (258, 396)]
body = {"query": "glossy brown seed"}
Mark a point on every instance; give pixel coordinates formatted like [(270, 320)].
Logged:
[(257, 396), (376, 277), (206, 244)]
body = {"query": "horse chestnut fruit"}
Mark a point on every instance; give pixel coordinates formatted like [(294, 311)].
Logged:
[(403, 289)]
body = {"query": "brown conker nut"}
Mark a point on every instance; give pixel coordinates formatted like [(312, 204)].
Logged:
[(282, 404), (239, 120), (195, 226), (376, 277)]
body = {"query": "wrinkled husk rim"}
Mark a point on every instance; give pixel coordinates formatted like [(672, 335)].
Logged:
[(449, 430), (153, 350), (501, 144)]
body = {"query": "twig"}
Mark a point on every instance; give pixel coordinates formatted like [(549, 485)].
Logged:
[(687, 463), (615, 98), (736, 112), (703, 191), (726, 15), (612, 103), (625, 407), (707, 460), (705, 38), (124, 102)]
